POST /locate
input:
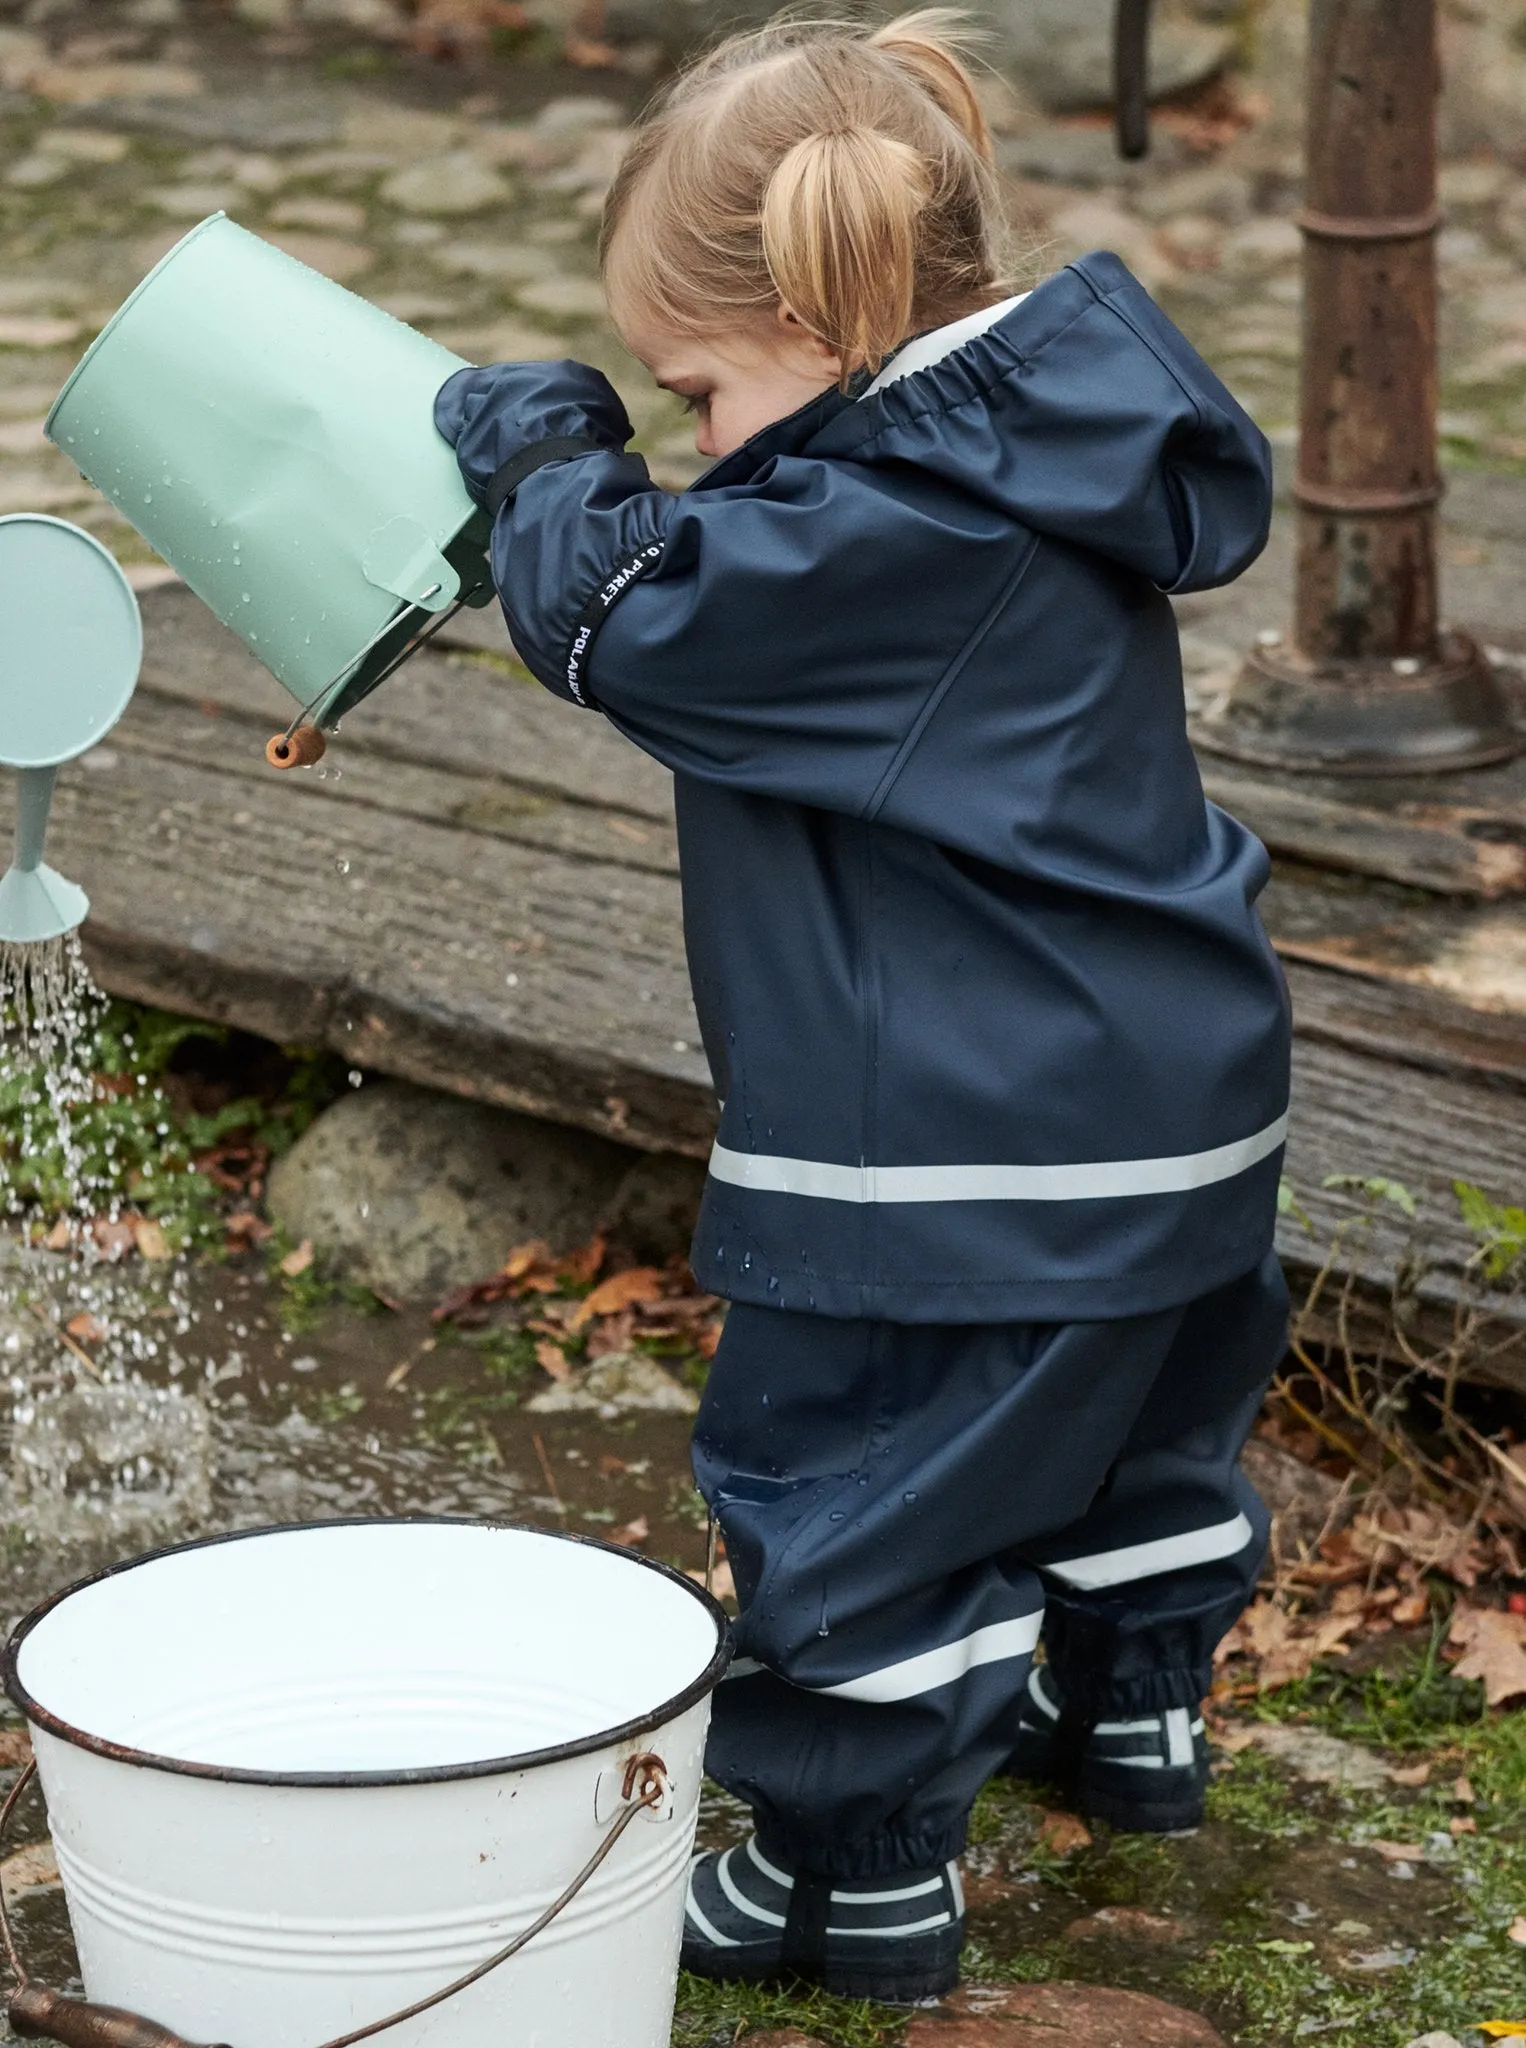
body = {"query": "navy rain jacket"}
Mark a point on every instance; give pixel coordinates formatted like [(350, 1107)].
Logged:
[(995, 1026)]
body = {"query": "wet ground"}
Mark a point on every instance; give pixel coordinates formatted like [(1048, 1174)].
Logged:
[(466, 201), (1278, 1920)]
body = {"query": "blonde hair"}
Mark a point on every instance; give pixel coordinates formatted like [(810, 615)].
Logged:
[(844, 172)]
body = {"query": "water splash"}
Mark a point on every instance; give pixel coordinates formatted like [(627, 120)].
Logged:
[(50, 1015)]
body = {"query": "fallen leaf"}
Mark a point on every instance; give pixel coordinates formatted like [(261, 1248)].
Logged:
[(611, 1466), (246, 1224), (59, 1238), (85, 1328), (1232, 1737), (115, 1239), (1517, 1603), (633, 1533), (552, 1359), (1063, 1833), (612, 1333), (580, 1266), (399, 1373), (15, 1748), (1463, 1793), (31, 1869), (638, 1283), (1463, 1824), (1411, 1610), (1502, 2030), (531, 1268), (1412, 1775), (1516, 1931), (150, 1240), (1398, 1852), (297, 1262), (1493, 1643)]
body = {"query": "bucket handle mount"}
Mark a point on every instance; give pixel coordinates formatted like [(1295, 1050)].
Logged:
[(36, 2013)]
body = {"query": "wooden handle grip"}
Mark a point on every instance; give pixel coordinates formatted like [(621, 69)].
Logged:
[(296, 750), (35, 2013)]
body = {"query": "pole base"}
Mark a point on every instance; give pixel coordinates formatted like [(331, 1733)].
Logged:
[(38, 903), (1364, 717)]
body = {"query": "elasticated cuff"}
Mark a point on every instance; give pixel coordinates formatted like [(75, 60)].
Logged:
[(1096, 1697), (870, 1856)]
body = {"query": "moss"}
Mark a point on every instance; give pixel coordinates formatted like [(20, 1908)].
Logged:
[(709, 2015)]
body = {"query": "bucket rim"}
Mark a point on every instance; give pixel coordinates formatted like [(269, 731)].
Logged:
[(191, 235), (433, 1774)]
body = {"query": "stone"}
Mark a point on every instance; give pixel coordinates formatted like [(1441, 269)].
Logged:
[(190, 202), (1077, 2015), (1061, 51), (278, 119), (1088, 224), (401, 134), (374, 17), (1061, 155), (38, 169), (330, 254), (1434, 2041), (1263, 244), (564, 298), (655, 1209), (494, 262), (446, 185), (620, 1383), (415, 1193), (576, 112), (1225, 195), (1321, 1759), (155, 13), (505, 341), (84, 145), (790, 2038), (329, 216), (266, 13), (82, 85), (1126, 1923), (1471, 184)]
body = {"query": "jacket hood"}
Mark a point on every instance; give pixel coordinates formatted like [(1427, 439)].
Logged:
[(1083, 414)]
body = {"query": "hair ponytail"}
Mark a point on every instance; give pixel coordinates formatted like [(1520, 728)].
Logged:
[(844, 172), (924, 43), (839, 222)]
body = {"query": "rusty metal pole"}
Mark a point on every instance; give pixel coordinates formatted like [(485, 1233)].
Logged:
[(1370, 683)]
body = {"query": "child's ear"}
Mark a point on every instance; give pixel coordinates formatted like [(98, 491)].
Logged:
[(824, 357)]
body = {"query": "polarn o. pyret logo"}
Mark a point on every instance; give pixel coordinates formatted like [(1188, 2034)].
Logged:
[(597, 610)]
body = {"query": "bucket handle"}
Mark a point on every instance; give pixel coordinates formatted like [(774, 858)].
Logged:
[(38, 2013)]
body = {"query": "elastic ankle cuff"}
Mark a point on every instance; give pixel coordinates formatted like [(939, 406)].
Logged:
[(1155, 1692), (871, 1856)]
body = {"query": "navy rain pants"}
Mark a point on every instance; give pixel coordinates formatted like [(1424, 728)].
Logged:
[(906, 1505)]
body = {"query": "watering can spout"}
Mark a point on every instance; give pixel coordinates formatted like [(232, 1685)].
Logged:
[(36, 902)]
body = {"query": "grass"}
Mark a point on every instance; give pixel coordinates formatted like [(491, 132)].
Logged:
[(709, 2015), (142, 1144)]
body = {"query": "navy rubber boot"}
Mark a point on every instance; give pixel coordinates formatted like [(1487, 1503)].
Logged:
[(895, 1940), (1147, 1775)]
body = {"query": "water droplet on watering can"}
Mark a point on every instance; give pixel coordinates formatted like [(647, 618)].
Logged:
[(908, 1498)]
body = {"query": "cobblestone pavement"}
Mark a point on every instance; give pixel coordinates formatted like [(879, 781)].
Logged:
[(465, 199)]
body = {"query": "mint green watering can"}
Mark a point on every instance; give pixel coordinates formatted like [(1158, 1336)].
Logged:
[(70, 653), (272, 436)]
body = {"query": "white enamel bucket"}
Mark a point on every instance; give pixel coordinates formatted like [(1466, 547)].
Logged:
[(298, 1779)]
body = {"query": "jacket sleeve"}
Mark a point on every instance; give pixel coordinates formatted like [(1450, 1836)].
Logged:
[(752, 633)]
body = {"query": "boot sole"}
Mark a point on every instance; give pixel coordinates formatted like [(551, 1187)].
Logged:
[(881, 1987), (1139, 1816)]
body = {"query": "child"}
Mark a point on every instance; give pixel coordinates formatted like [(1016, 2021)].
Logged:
[(1001, 1045)]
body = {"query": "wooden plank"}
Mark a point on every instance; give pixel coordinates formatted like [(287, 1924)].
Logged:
[(1473, 953), (470, 714), (1412, 1026), (1456, 850), (275, 903), (1360, 1116)]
